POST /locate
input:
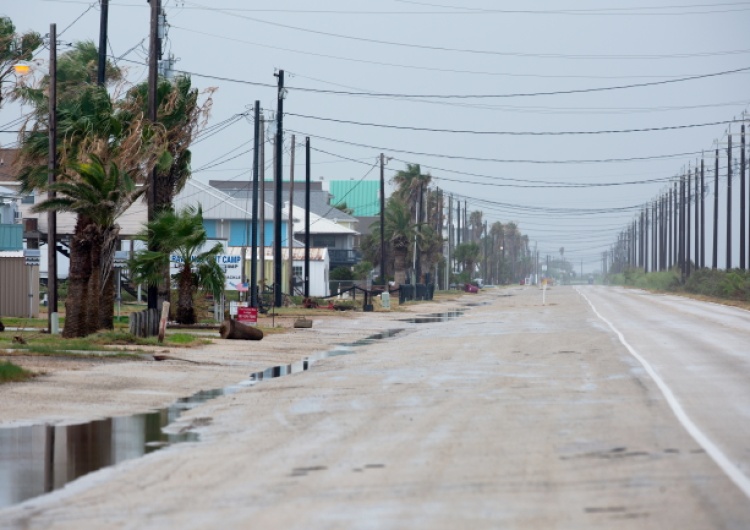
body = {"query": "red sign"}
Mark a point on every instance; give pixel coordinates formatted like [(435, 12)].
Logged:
[(247, 315)]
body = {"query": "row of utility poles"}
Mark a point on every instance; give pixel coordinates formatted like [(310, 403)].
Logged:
[(671, 230)]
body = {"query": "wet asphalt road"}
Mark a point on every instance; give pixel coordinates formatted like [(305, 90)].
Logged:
[(515, 415)]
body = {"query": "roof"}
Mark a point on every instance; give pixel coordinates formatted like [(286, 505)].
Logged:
[(215, 203), (7, 192), (320, 200), (361, 196), (11, 253), (318, 224)]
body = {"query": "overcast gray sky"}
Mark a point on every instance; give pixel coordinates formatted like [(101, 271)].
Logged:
[(501, 49)]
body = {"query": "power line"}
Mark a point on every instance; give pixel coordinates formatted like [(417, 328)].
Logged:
[(418, 67), (513, 133), (471, 96), (621, 11), (503, 160), (478, 52)]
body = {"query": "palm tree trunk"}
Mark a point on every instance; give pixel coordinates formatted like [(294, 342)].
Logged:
[(185, 310), (107, 303), (78, 283), (93, 301), (399, 274)]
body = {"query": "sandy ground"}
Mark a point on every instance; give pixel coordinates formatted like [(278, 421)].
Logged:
[(516, 415), (116, 388)]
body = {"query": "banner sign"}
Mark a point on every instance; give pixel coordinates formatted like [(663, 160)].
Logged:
[(232, 266)]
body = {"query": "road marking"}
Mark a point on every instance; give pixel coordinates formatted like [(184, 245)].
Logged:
[(726, 465)]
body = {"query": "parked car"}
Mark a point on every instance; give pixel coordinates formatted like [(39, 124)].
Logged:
[(470, 288)]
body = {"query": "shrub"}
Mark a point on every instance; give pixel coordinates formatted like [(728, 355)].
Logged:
[(10, 372)]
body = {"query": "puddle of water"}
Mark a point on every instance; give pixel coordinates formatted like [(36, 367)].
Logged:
[(38, 459), (304, 365), (435, 317)]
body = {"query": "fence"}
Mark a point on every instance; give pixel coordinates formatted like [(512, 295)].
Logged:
[(145, 323)]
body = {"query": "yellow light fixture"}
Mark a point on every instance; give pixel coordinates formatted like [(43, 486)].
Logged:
[(22, 68)]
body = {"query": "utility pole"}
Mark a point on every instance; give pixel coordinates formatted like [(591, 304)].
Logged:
[(307, 217), (254, 237), (697, 241), (262, 206), (669, 229), (682, 229), (153, 79), (290, 228), (449, 261), (687, 225), (703, 216), (729, 202), (417, 252), (277, 190), (466, 221), (382, 221), (743, 198), (486, 251), (458, 220), (715, 254), (52, 315), (101, 67), (675, 228)]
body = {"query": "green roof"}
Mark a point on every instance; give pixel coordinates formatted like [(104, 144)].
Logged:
[(362, 196)]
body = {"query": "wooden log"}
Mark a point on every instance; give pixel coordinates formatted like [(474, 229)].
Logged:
[(231, 329)]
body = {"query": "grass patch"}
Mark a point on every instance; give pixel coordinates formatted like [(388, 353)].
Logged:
[(105, 341), (11, 373)]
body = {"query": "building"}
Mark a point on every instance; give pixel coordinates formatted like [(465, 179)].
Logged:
[(337, 238), (332, 229)]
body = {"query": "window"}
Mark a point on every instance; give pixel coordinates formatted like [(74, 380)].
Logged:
[(324, 241)]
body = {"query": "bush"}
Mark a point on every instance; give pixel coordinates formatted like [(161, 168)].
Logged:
[(658, 281), (342, 273), (732, 284), (10, 372)]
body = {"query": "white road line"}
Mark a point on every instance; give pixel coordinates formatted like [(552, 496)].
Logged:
[(726, 465)]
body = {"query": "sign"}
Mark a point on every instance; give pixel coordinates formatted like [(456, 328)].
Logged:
[(32, 256), (233, 308), (247, 315), (121, 259), (230, 264)]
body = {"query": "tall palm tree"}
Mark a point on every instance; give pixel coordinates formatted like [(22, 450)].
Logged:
[(98, 197), (477, 225), (182, 235), (468, 254), (408, 184), (431, 246), (180, 115), (399, 231)]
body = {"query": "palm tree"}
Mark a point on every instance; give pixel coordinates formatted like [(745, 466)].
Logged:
[(98, 197), (431, 246), (181, 116), (399, 231), (467, 254), (182, 235), (408, 184), (477, 225)]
